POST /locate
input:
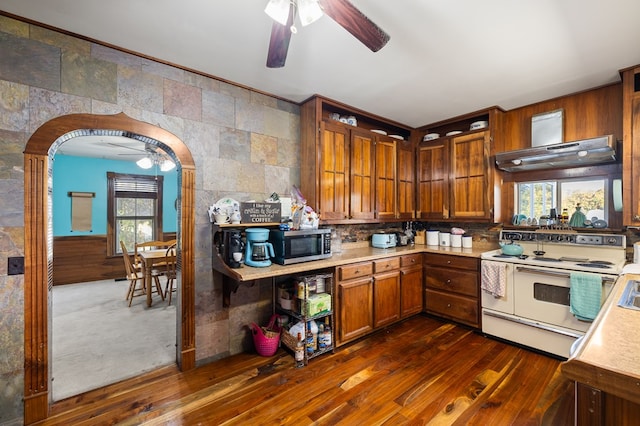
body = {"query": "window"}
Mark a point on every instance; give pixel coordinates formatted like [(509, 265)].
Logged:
[(134, 210), (535, 199)]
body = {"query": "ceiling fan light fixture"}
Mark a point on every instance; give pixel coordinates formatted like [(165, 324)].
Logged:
[(167, 165), (309, 11), (145, 163), (278, 10)]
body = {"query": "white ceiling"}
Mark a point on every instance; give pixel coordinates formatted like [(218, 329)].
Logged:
[(445, 57)]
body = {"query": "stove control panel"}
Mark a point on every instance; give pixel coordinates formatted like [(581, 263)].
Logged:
[(609, 240)]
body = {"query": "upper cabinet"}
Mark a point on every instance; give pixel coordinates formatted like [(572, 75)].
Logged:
[(356, 171), (631, 145), (456, 176)]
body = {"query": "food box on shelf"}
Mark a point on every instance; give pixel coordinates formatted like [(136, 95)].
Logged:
[(317, 304)]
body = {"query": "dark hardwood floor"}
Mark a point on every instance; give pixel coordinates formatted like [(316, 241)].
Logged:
[(421, 371)]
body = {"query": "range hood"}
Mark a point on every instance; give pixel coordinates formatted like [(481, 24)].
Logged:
[(586, 152)]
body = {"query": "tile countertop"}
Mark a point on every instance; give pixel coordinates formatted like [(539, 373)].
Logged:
[(608, 356), (356, 252)]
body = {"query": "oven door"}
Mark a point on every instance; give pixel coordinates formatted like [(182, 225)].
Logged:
[(505, 303), (542, 294)]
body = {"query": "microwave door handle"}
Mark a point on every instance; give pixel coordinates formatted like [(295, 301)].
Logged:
[(552, 273)]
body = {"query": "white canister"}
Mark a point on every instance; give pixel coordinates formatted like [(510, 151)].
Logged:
[(433, 238), (636, 252), (445, 239), (456, 240), (467, 241)]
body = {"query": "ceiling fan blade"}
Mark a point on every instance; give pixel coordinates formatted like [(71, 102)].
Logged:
[(354, 21), (279, 42)]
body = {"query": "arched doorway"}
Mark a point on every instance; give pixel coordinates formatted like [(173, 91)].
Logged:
[(38, 247)]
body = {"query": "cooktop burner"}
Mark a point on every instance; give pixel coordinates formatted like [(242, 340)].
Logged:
[(594, 265)]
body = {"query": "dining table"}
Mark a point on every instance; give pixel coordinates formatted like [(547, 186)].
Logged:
[(151, 258)]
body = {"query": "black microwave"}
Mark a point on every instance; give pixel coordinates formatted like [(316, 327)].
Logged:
[(300, 246)]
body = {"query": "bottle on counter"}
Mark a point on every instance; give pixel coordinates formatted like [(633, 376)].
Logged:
[(309, 340), (299, 352), (321, 343), (326, 335)]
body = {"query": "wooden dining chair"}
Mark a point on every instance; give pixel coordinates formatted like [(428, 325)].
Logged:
[(170, 273), (134, 276)]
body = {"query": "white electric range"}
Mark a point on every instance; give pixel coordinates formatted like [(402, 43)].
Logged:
[(535, 310)]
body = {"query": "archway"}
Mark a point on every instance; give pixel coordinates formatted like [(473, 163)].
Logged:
[(38, 247)]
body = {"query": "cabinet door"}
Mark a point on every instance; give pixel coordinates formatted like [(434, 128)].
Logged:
[(334, 172), (355, 309), (406, 182), (386, 298), (362, 169), (385, 179), (410, 291), (631, 146), (470, 176), (433, 180)]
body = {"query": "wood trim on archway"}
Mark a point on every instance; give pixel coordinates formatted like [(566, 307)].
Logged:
[(38, 253)]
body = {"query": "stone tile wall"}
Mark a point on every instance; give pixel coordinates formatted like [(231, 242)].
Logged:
[(245, 145)]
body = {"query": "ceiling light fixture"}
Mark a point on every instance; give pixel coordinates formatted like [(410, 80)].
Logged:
[(155, 159), (309, 11)]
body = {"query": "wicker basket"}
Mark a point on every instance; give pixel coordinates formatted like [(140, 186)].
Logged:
[(266, 339)]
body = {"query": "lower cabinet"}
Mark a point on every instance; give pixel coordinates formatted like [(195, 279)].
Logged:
[(371, 295), (411, 285), (386, 291), (596, 407), (452, 287)]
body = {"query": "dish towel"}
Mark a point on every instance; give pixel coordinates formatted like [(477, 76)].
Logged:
[(493, 277), (585, 295)]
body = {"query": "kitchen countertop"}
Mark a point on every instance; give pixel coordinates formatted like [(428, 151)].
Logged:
[(352, 253), (607, 358)]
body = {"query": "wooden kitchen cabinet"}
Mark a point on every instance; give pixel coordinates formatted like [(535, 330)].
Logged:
[(631, 146), (349, 174), (433, 180), (598, 408), (333, 191), (361, 174), (410, 285), (406, 172), (372, 295), (452, 287), (354, 301), (456, 177), (453, 178), (386, 291)]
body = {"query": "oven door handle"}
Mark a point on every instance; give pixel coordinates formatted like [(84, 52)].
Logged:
[(553, 273)]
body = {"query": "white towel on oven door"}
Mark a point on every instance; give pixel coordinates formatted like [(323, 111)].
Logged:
[(493, 277)]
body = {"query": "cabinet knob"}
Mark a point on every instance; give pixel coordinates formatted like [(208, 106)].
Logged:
[(448, 305), (413, 261), (448, 262), (448, 281), (636, 217)]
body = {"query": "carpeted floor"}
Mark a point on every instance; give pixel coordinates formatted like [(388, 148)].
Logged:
[(98, 339)]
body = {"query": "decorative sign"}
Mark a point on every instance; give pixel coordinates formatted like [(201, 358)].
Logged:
[(260, 212)]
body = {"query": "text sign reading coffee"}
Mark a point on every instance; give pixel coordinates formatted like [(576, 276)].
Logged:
[(260, 212)]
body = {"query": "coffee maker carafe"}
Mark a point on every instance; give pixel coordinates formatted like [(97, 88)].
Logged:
[(258, 249)]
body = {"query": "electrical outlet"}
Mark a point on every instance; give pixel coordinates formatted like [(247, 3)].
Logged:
[(15, 265)]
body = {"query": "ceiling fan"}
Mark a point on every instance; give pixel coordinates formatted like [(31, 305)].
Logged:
[(153, 155), (342, 11)]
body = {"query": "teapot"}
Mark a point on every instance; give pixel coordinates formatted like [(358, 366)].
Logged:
[(511, 249)]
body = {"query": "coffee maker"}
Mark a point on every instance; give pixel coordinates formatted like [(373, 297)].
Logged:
[(258, 249), (232, 247)]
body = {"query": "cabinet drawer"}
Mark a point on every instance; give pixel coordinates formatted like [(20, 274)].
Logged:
[(355, 270), (452, 280), (452, 306), (410, 260), (384, 265), (460, 262)]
